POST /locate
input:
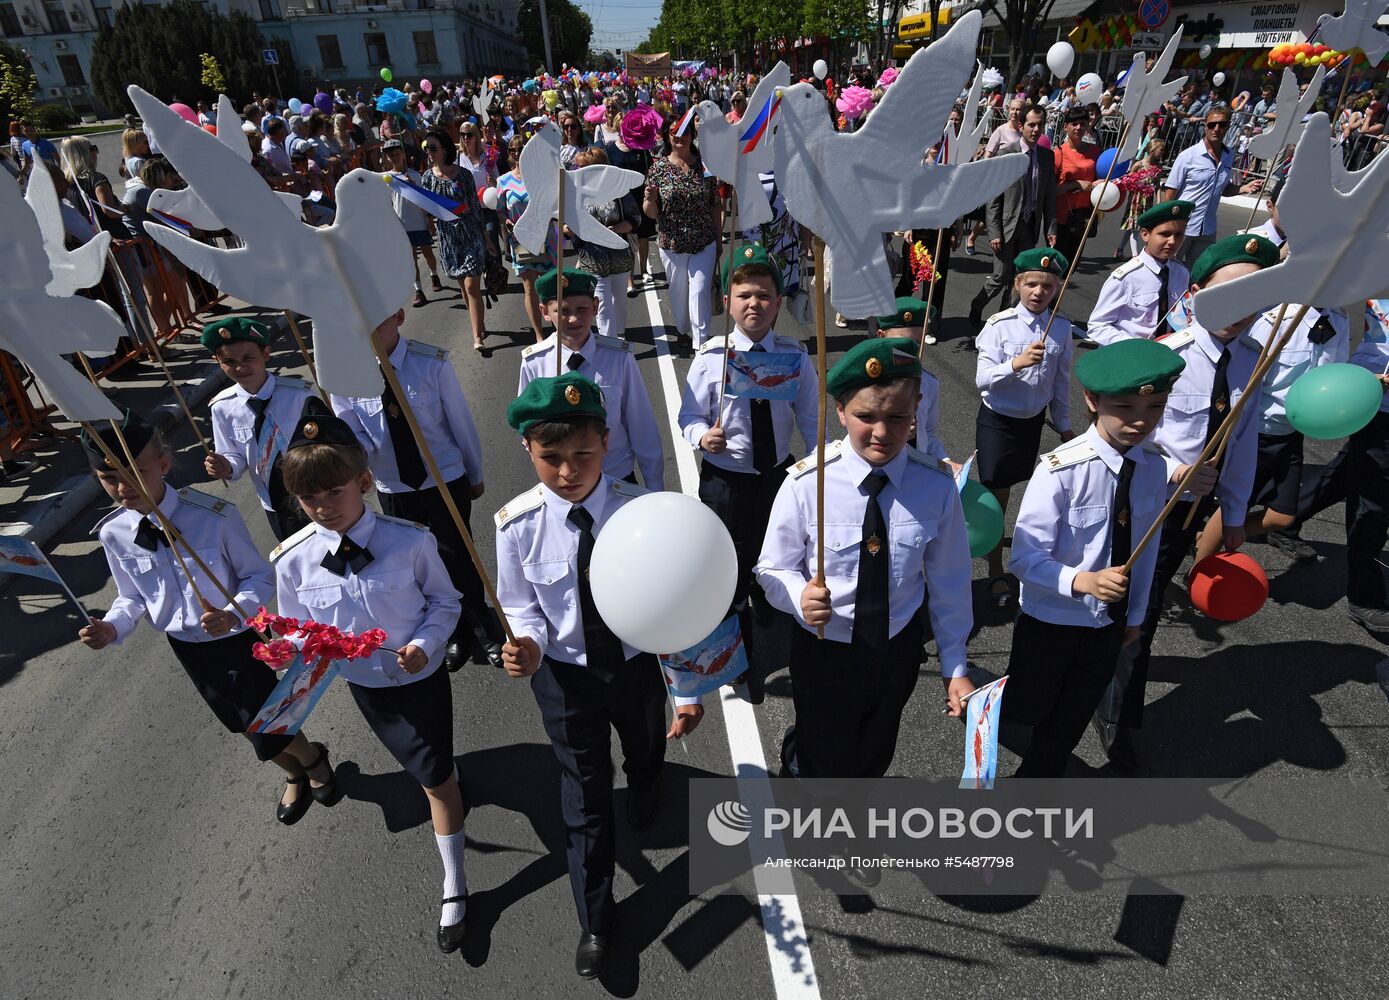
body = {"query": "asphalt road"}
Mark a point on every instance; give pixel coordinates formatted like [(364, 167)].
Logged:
[(142, 859)]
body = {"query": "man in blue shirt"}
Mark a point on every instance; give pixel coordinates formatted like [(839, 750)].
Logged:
[(35, 148), (1201, 175)]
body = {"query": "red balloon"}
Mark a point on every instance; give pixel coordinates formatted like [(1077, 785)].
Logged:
[(210, 129), (1228, 586)]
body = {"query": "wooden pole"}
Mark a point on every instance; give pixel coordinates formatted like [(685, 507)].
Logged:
[(822, 368), (727, 312), (559, 285), (403, 399), (930, 293), (304, 350), (1263, 189)]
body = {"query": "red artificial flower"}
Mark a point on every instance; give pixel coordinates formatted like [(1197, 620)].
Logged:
[(275, 654)]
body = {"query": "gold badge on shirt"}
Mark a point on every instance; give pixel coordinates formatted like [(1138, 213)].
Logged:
[(874, 545)]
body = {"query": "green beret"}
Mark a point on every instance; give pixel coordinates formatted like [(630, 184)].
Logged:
[(575, 282), (750, 253), (232, 329), (1233, 250), (1041, 259), (568, 395), (1129, 367), (910, 312), (1166, 211), (873, 362)]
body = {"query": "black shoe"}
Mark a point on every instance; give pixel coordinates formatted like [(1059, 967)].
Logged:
[(293, 812), (13, 467), (329, 793), (419, 299), (435, 283), (591, 955), (1373, 620), (493, 652), (790, 767), (752, 685), (454, 656), (1121, 751), (451, 935), (641, 804), (1294, 546)]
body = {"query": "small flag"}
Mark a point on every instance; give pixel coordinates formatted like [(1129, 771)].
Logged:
[(685, 120), (981, 735), (294, 697), (760, 127), (962, 476), (22, 556), (708, 665), (443, 209), (172, 221), (269, 445), (1181, 315), (762, 375), (1376, 321)]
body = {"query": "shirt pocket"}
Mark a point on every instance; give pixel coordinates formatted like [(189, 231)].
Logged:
[(1084, 524), (1145, 303), (429, 409), (320, 597), (388, 582), (842, 542), (243, 434), (550, 579), (1187, 410), (1290, 366), (137, 566), (909, 541), (216, 564)]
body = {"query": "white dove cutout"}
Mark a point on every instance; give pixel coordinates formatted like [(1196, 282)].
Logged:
[(481, 102), (965, 143), (1286, 129), (347, 277), (586, 186), (1354, 28), (722, 144), (38, 327), (72, 270), (1338, 238), (1145, 94), (186, 204), (850, 189)]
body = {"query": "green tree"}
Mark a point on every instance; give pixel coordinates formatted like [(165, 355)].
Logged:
[(1022, 23), (212, 77), (570, 31), (161, 49), (17, 86)]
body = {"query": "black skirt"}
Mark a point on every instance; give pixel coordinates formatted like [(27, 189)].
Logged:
[(415, 723), (233, 683), (1278, 475), (1008, 447)]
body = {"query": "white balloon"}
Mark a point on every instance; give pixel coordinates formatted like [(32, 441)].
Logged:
[(822, 70), (1218, 79), (1205, 51), (1043, 101), (1036, 70), (1060, 58), (489, 199), (1105, 196), (663, 572), (1089, 88)]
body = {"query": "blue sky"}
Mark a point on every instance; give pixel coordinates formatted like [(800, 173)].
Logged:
[(620, 24)]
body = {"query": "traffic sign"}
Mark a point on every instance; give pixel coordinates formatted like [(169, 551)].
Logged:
[(272, 58), (1153, 13)]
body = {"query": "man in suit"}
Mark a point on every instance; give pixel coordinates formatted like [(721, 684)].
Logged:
[(1019, 215)]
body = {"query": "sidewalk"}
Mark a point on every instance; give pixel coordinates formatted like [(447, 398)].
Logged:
[(41, 500)]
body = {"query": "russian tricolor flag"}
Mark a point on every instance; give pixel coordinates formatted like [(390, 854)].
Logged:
[(172, 221), (443, 209), (760, 126)]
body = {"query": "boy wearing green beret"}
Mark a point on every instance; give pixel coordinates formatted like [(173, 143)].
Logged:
[(586, 681), (633, 439), (909, 321), (1136, 297), (894, 531), (253, 418), (1218, 366), (1086, 506)]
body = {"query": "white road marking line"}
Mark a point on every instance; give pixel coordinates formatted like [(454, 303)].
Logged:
[(788, 947)]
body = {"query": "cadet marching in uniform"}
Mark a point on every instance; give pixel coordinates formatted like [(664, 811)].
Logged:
[(1136, 297), (908, 321)]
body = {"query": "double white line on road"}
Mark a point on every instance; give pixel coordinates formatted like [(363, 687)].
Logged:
[(788, 948)]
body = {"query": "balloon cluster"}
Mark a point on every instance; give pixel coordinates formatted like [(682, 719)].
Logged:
[(1302, 54)]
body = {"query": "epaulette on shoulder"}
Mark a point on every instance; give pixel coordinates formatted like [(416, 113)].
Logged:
[(1126, 268), (795, 343), (929, 461), (519, 505), (713, 343), (1005, 314), (206, 501), (295, 382), (928, 375), (614, 343), (535, 349), (1179, 339), (1152, 447), (110, 516), (1071, 453), (1251, 343), (626, 489), (426, 350), (807, 464), (405, 521), (227, 394), (305, 532)]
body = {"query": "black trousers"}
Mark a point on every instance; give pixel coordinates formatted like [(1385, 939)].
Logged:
[(1126, 691), (427, 507), (743, 502), (849, 704), (1023, 238), (1069, 235), (233, 683), (578, 705), (906, 282), (1056, 677)]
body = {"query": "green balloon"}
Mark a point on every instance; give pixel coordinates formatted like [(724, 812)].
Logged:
[(983, 519), (1334, 401), (386, 74)]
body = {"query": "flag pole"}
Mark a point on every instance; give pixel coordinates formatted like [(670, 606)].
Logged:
[(559, 280), (304, 350), (727, 311), (821, 367), (930, 293)]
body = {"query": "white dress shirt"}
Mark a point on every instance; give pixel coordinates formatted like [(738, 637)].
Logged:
[(437, 399), (537, 566), (1064, 528), (1269, 232), (1128, 305), (404, 590), (699, 403), (633, 438), (153, 583), (1025, 393), (1296, 359), (234, 424), (928, 418), (1373, 356), (928, 546), (1182, 431)]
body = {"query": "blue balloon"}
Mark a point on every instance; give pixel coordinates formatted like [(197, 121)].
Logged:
[(295, 105), (1103, 162)]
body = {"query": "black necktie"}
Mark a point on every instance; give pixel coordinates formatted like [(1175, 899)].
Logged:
[(1121, 535), (1029, 196), (349, 553), (1163, 304), (1220, 395), (408, 463), (604, 649), (575, 360), (874, 558), (147, 536), (1322, 331), (764, 456)]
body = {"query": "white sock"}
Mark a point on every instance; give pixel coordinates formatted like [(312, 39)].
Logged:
[(417, 285), (455, 882)]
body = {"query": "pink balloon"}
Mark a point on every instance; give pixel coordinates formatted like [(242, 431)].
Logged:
[(426, 86), (1044, 141), (184, 112)]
